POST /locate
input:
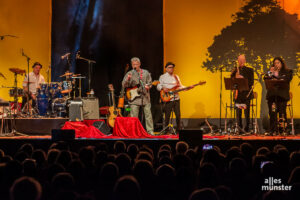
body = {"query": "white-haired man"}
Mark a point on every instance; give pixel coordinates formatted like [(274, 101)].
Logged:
[(141, 80)]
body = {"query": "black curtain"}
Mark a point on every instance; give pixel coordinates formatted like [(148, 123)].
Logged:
[(109, 32)]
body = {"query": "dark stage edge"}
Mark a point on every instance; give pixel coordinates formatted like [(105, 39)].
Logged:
[(38, 126)]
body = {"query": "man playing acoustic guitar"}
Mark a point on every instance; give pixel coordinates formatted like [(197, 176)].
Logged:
[(140, 80), (168, 82)]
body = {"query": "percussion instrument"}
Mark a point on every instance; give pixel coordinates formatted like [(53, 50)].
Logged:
[(66, 87), (59, 106), (17, 70), (55, 90)]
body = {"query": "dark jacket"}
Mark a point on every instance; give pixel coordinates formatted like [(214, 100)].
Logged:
[(248, 74), (286, 75)]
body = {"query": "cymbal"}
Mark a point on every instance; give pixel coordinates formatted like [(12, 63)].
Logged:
[(17, 70), (67, 74)]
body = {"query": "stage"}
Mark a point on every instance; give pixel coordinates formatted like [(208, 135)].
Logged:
[(126, 128)]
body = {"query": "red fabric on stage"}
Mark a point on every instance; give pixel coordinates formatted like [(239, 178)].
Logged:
[(125, 127), (82, 130), (90, 122), (129, 127)]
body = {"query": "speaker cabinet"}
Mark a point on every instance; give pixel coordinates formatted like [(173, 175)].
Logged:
[(90, 108), (192, 137), (62, 135)]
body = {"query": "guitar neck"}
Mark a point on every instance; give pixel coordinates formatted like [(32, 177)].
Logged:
[(182, 89), (113, 98)]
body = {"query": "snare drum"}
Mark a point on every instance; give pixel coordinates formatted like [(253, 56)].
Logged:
[(16, 92), (66, 87)]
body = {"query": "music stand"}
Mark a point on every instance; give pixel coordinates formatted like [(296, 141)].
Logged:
[(275, 85), (240, 84)]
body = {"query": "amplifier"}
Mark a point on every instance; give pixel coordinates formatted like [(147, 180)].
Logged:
[(90, 108), (75, 110)]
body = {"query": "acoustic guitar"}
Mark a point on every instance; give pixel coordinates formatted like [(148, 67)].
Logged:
[(114, 112), (167, 96), (134, 92)]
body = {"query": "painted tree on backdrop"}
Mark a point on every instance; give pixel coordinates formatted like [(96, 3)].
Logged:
[(261, 30)]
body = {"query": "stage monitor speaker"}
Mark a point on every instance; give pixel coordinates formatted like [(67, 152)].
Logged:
[(62, 134), (102, 126), (90, 108), (192, 137), (75, 110)]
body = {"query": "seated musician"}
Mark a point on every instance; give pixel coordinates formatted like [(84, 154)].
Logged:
[(35, 78), (167, 82), (278, 97)]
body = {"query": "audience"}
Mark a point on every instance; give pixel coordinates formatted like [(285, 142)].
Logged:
[(139, 172)]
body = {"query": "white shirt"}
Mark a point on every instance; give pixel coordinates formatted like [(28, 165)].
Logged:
[(36, 79), (169, 81)]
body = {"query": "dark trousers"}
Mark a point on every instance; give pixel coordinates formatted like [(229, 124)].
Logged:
[(168, 108), (280, 108), (247, 116)]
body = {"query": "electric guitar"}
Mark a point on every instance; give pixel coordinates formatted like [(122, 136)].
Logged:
[(134, 92), (113, 111), (167, 96)]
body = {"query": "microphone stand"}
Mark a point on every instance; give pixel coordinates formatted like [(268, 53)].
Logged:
[(28, 60), (221, 86), (90, 63)]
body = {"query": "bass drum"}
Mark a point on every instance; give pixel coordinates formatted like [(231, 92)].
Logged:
[(59, 107)]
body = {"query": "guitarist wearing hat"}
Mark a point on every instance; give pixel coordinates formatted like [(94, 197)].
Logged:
[(167, 82)]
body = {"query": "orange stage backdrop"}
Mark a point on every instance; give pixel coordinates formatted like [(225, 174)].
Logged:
[(30, 20), (189, 29)]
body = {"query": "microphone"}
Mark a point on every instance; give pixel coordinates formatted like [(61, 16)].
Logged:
[(65, 56)]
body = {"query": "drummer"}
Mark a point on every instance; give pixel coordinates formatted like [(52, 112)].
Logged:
[(35, 78)]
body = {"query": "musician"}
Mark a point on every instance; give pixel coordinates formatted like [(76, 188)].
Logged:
[(243, 97), (35, 78), (278, 97), (142, 79), (169, 81)]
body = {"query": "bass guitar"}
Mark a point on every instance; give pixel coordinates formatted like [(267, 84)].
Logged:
[(167, 96), (114, 112)]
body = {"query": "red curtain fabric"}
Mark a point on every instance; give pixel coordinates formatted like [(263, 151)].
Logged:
[(125, 127)]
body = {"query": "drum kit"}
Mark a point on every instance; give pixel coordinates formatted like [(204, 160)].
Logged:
[(51, 98)]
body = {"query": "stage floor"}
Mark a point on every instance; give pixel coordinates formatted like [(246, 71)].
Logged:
[(205, 137)]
